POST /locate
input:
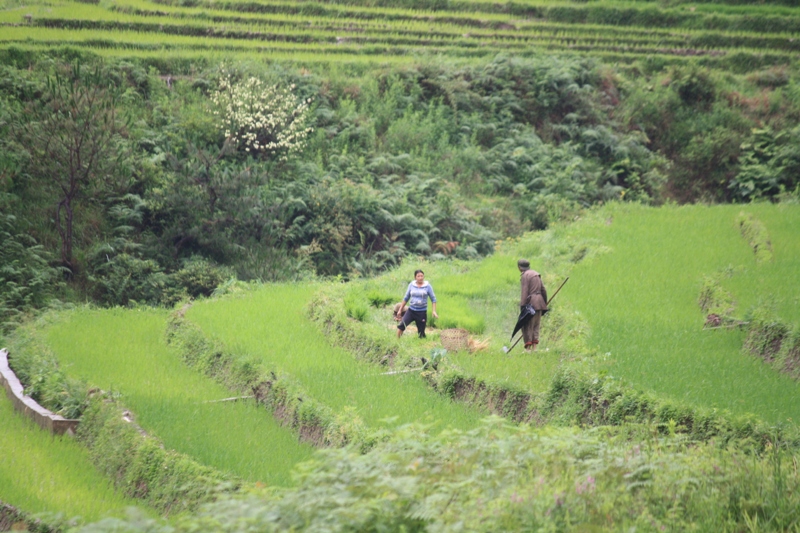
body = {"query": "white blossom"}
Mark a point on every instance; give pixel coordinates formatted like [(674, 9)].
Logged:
[(265, 118)]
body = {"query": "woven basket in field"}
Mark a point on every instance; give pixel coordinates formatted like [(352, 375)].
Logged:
[(454, 339)]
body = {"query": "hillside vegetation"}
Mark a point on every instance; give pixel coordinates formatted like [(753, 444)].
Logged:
[(179, 184), (208, 207), (658, 428)]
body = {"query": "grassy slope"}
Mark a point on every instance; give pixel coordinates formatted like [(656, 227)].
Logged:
[(638, 301), (40, 473), (271, 324), (488, 289), (641, 302), (124, 350)]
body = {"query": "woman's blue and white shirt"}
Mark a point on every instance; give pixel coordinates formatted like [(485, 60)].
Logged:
[(417, 297)]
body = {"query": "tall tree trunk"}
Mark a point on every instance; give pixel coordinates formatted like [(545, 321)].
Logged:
[(65, 232)]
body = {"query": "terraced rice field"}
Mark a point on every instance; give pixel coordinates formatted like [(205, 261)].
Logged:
[(633, 303), (641, 302), (40, 473), (739, 37), (271, 325), (124, 351)]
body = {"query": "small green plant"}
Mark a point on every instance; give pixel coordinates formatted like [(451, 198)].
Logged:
[(378, 299), (755, 233), (356, 307), (455, 312)]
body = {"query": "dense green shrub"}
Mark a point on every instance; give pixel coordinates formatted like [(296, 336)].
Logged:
[(525, 479), (198, 277), (27, 281), (769, 165), (430, 158)]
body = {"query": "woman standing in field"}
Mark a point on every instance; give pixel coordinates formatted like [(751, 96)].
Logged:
[(416, 297)]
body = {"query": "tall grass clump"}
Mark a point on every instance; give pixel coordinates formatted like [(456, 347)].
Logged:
[(774, 341), (457, 312), (356, 306), (756, 235)]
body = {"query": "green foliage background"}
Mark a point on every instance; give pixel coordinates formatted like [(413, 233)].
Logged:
[(429, 159)]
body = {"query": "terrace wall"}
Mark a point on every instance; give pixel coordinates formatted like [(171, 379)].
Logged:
[(26, 405)]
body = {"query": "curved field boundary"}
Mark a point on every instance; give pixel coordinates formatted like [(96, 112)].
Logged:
[(128, 355), (26, 405), (12, 519), (270, 326)]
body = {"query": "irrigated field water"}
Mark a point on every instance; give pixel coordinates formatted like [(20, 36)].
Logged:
[(271, 324), (124, 351), (641, 302), (40, 473)]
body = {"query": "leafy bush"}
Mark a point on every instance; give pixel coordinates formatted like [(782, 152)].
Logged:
[(27, 281), (127, 279), (505, 478), (769, 165), (260, 117), (694, 86), (198, 277)]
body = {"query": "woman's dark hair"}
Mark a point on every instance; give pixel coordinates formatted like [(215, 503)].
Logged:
[(418, 272)]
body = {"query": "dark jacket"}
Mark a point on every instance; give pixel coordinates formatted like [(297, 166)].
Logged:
[(533, 291)]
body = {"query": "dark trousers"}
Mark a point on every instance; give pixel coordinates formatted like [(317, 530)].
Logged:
[(420, 318), (530, 331)]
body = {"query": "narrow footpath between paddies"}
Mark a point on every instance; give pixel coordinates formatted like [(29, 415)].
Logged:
[(271, 324), (641, 300), (124, 351), (42, 473)]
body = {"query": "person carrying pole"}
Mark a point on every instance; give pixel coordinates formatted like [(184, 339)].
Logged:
[(535, 295)]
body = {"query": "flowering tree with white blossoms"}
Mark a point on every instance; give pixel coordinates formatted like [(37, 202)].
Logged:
[(261, 118)]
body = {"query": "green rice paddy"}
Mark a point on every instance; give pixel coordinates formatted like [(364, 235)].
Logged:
[(634, 305), (124, 351), (328, 31), (270, 324), (482, 297), (641, 302), (45, 474), (635, 302)]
